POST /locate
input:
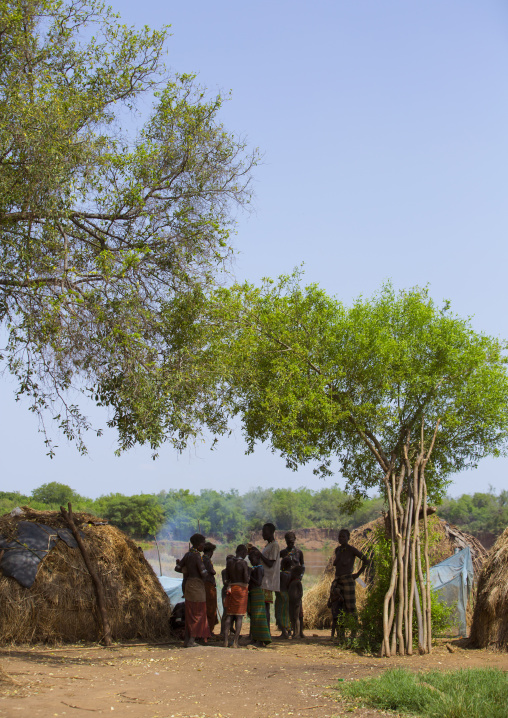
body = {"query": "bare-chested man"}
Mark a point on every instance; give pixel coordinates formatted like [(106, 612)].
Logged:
[(191, 565), (237, 573), (344, 562)]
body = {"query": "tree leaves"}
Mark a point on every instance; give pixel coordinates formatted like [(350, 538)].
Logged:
[(102, 228)]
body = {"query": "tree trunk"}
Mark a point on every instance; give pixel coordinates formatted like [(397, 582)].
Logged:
[(99, 592), (427, 567)]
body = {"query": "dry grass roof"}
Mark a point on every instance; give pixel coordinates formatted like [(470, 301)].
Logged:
[(490, 618), (61, 604)]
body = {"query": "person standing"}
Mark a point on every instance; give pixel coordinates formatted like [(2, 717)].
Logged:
[(270, 557), (210, 586), (237, 575), (282, 599), (259, 630), (297, 559), (191, 565), (344, 562)]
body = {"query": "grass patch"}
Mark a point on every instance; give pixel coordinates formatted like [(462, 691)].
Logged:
[(471, 693)]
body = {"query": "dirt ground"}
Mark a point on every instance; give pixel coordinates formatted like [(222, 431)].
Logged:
[(287, 679)]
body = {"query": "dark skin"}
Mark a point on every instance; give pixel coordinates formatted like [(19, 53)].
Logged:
[(256, 577), (344, 541), (285, 576), (268, 535), (290, 544), (237, 571), (344, 565), (209, 567), (295, 592), (192, 567), (294, 554)]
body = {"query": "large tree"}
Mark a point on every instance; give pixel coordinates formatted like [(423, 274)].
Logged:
[(110, 230), (398, 392)]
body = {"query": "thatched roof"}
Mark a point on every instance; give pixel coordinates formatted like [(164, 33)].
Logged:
[(61, 603), (490, 618), (444, 540)]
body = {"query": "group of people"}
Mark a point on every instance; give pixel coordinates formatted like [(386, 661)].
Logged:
[(274, 577)]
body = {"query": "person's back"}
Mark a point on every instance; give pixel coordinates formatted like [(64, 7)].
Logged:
[(237, 579), (237, 571), (191, 565)]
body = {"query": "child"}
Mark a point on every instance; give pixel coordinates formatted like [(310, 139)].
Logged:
[(295, 592), (258, 624), (282, 598), (237, 573), (336, 604)]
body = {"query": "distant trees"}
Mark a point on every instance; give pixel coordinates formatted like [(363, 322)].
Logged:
[(229, 516), (477, 513), (56, 493), (139, 516)]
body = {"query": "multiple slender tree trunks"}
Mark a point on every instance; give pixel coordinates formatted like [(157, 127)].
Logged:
[(99, 591), (408, 593)]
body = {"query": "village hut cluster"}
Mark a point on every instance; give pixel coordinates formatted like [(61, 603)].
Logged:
[(52, 563)]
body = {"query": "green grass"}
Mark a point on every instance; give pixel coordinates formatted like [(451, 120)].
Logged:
[(471, 693)]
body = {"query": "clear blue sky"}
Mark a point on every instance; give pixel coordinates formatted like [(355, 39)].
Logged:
[(384, 127)]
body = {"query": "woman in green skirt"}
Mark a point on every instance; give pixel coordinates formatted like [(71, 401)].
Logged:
[(259, 631)]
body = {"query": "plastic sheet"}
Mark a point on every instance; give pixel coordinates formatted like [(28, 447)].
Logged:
[(173, 588), (453, 580), (32, 544)]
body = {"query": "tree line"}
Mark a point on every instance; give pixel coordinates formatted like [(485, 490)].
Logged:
[(228, 515)]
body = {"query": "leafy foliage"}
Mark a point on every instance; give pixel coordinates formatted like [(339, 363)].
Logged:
[(477, 513), (109, 235), (56, 493), (320, 381), (136, 515)]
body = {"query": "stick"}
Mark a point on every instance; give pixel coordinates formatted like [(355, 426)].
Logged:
[(309, 708), (92, 710), (99, 592), (159, 554)]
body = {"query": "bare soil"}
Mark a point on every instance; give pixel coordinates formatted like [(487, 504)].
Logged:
[(290, 678)]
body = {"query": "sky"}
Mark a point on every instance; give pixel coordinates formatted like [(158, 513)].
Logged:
[(383, 128)]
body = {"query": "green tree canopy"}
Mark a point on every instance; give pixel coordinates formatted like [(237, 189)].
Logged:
[(109, 234), (399, 392), (138, 516), (322, 382), (57, 494)]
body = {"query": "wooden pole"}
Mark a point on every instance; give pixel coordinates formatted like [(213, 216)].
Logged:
[(158, 553), (99, 592)]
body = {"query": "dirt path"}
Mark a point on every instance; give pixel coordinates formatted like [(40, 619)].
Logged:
[(288, 679)]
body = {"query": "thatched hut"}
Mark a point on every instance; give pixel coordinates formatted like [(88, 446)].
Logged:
[(490, 617), (60, 605), (445, 539)]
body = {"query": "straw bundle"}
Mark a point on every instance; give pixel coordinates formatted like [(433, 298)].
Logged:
[(490, 618), (61, 604)]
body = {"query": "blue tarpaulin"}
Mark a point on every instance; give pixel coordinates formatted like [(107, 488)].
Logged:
[(173, 588), (453, 579)]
